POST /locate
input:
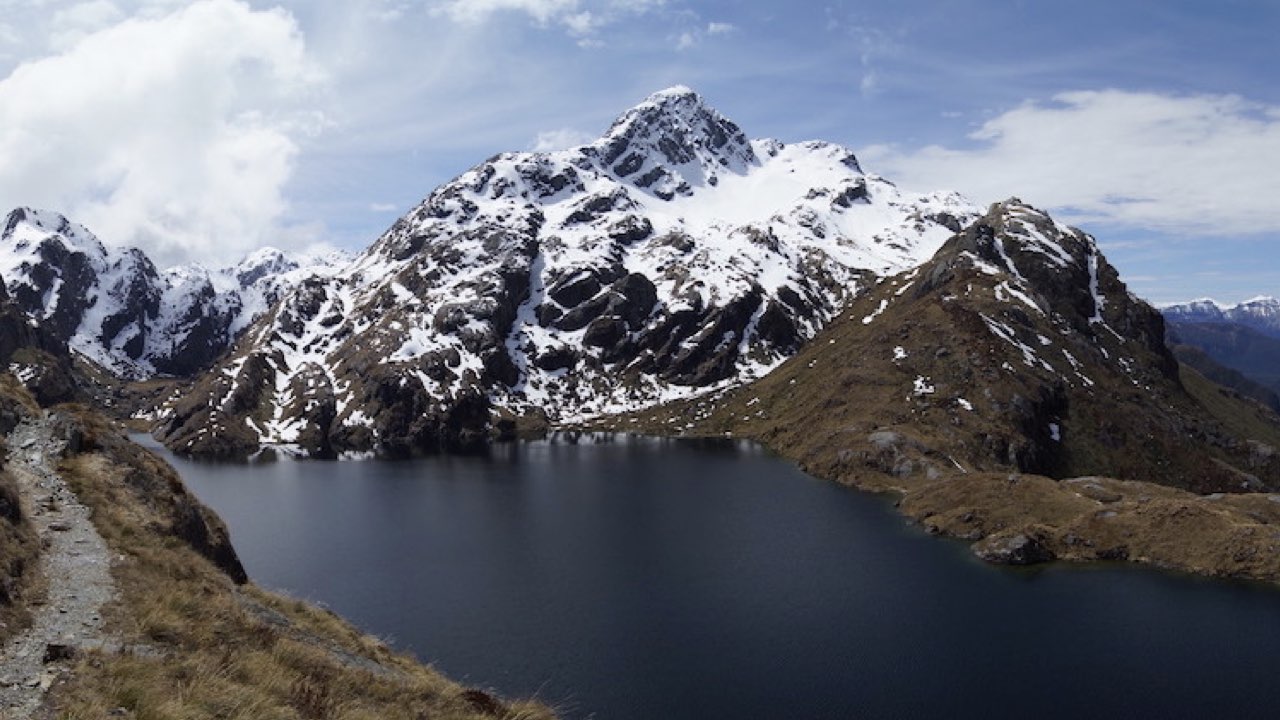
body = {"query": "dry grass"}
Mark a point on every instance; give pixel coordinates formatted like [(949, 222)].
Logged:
[(1242, 416), (197, 645), (1106, 519)]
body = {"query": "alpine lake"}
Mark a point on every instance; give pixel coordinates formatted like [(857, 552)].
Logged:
[(637, 578)]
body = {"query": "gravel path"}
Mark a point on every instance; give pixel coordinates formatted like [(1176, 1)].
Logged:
[(75, 562)]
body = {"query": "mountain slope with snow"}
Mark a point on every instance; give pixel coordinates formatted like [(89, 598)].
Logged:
[(670, 256), (115, 308)]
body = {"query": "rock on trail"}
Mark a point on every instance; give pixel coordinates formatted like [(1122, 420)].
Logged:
[(75, 562)]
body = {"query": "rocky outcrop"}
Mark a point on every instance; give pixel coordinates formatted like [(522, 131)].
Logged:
[(154, 485)]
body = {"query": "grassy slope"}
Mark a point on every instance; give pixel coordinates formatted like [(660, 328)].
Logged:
[(19, 550), (197, 645), (1200, 361), (1239, 414)]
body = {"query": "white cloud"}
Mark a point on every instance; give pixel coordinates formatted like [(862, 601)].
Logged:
[(475, 11), (561, 139), (870, 82), (720, 28), (581, 19), (686, 40), (1203, 164), (175, 132), (382, 207), (581, 24)]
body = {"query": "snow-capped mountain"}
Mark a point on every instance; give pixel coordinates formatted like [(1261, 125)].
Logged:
[(670, 256), (1260, 313), (114, 307)]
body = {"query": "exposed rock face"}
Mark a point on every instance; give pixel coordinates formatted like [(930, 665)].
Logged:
[(34, 356), (112, 306), (671, 256), (1014, 548)]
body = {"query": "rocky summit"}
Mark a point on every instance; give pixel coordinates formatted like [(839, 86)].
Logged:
[(669, 257)]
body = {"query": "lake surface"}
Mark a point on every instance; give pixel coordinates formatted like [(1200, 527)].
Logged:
[(661, 580)]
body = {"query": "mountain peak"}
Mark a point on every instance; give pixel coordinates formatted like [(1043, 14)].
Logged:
[(674, 142), (674, 93), (28, 227)]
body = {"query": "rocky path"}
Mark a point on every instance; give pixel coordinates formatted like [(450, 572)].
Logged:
[(75, 562)]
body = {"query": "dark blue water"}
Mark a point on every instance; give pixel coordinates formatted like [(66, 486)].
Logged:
[(666, 580)]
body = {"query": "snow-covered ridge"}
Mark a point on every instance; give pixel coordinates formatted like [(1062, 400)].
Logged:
[(114, 307), (1260, 313)]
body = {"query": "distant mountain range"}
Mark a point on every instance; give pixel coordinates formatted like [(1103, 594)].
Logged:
[(1243, 338), (1261, 314), (115, 308)]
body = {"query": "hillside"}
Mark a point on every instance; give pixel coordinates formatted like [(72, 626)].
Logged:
[(1240, 347), (978, 383), (1200, 361)]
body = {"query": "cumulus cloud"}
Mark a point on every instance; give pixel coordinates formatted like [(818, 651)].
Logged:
[(175, 130), (1201, 164), (551, 140)]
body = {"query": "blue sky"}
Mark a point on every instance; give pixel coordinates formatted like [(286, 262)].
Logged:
[(202, 130)]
